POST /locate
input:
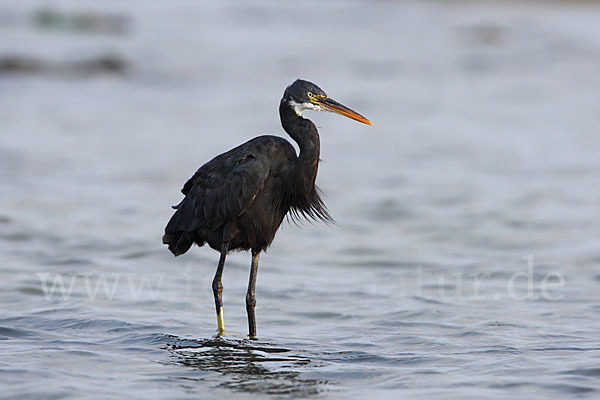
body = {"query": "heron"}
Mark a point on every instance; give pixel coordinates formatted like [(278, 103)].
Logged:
[(238, 200)]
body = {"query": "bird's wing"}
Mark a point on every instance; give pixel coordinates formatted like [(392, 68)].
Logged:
[(220, 190)]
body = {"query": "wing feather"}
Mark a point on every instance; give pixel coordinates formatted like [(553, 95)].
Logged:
[(220, 190)]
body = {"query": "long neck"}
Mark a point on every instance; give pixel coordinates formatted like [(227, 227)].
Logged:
[(304, 132), (303, 198)]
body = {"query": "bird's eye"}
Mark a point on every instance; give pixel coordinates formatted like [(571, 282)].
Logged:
[(314, 97)]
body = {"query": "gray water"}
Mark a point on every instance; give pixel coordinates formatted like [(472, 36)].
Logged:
[(464, 262)]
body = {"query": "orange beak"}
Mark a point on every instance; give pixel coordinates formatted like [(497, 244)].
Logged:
[(328, 104)]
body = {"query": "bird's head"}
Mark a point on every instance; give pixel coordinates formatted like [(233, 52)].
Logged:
[(303, 95)]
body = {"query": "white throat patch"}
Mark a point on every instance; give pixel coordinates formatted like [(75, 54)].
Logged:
[(300, 107)]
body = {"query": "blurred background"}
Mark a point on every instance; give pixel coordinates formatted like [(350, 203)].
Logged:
[(483, 162)]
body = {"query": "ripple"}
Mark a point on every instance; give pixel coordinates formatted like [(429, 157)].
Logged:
[(77, 324), (17, 236), (469, 333), (321, 315), (133, 255), (571, 389), (429, 300), (68, 261), (244, 363), (499, 349), (12, 333), (566, 348), (366, 358), (501, 324), (584, 372), (28, 290)]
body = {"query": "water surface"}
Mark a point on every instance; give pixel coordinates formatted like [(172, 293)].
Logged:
[(464, 263)]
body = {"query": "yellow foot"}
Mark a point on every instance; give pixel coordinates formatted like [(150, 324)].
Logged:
[(220, 322)]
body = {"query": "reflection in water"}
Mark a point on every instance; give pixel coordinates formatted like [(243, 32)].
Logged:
[(248, 366)]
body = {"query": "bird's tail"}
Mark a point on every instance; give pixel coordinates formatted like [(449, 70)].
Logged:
[(179, 242)]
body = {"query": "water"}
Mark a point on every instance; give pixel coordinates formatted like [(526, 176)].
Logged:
[(464, 263)]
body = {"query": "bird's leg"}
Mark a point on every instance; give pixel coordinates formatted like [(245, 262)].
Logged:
[(250, 298), (217, 287)]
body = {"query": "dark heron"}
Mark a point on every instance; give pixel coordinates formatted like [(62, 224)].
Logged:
[(237, 200)]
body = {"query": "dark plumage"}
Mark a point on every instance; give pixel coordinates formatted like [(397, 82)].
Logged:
[(237, 200)]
